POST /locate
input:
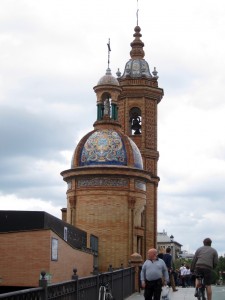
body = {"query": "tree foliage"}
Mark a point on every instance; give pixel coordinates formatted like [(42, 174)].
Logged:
[(218, 274)]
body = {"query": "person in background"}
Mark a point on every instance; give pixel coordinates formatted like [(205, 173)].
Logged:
[(154, 275), (204, 261), (188, 277), (167, 257), (182, 274)]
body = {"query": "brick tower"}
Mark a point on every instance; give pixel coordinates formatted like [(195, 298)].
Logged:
[(138, 102), (112, 182)]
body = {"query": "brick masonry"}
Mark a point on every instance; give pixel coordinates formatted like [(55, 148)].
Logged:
[(25, 254)]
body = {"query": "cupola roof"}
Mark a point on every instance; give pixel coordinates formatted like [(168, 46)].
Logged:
[(108, 79), (137, 66)]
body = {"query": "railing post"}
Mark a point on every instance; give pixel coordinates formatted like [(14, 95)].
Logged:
[(136, 261), (110, 269), (75, 278), (96, 273), (122, 270), (95, 270), (43, 282)]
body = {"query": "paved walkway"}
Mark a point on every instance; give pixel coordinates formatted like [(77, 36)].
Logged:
[(185, 294), (181, 294)]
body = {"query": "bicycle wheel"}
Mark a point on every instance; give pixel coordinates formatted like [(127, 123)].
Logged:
[(201, 294), (101, 295)]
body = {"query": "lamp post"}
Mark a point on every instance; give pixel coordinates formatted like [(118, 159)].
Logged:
[(172, 246)]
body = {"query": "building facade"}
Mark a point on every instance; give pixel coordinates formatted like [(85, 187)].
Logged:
[(113, 180), (35, 241), (164, 241)]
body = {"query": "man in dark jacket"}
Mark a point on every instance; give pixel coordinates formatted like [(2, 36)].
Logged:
[(167, 257), (204, 261)]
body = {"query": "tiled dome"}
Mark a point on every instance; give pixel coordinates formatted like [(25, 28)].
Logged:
[(137, 68), (107, 147)]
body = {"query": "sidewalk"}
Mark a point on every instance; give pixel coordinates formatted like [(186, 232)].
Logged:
[(181, 294)]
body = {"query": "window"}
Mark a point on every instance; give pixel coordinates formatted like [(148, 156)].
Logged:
[(135, 121), (65, 233), (54, 250), (94, 244), (69, 185), (139, 245)]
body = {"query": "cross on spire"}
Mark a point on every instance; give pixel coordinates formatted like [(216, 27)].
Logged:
[(137, 12), (109, 49)]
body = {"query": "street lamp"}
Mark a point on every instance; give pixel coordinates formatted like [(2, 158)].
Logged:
[(172, 247)]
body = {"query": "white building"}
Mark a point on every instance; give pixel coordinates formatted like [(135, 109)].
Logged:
[(164, 241)]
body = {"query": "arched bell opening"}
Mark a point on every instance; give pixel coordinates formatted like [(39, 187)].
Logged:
[(107, 108), (135, 121), (104, 107)]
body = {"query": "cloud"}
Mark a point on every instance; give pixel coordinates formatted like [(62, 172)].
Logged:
[(9, 201), (53, 53)]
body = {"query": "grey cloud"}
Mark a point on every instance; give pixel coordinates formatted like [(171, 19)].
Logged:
[(23, 133), (50, 62)]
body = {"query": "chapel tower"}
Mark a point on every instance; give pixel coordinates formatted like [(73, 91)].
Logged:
[(138, 116), (112, 182)]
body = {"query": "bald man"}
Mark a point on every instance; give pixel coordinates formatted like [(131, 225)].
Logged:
[(153, 271)]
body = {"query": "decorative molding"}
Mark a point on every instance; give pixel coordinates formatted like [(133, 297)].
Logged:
[(150, 124), (150, 166), (102, 181)]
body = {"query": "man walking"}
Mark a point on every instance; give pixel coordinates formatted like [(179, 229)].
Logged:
[(153, 275), (204, 261), (167, 257)]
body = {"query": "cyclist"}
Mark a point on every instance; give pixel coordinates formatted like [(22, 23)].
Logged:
[(204, 261)]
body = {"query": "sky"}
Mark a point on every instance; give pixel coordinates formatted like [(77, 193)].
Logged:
[(52, 54)]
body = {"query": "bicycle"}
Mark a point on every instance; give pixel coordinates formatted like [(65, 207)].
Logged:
[(200, 289), (105, 292)]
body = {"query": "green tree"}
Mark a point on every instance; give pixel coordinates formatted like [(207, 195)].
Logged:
[(220, 269)]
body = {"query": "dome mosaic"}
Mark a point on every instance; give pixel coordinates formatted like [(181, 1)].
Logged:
[(108, 147)]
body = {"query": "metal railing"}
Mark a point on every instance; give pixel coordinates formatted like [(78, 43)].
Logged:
[(122, 282)]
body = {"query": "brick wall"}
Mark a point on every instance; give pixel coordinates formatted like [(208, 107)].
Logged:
[(25, 254)]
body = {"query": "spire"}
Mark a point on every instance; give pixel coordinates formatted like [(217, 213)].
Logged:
[(109, 50), (137, 12), (137, 66), (137, 45)]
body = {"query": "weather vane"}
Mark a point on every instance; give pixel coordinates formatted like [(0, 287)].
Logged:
[(109, 49), (137, 12)]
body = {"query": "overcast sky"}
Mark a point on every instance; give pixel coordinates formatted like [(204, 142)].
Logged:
[(52, 53)]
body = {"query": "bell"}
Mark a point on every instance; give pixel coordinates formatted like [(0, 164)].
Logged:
[(136, 125)]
